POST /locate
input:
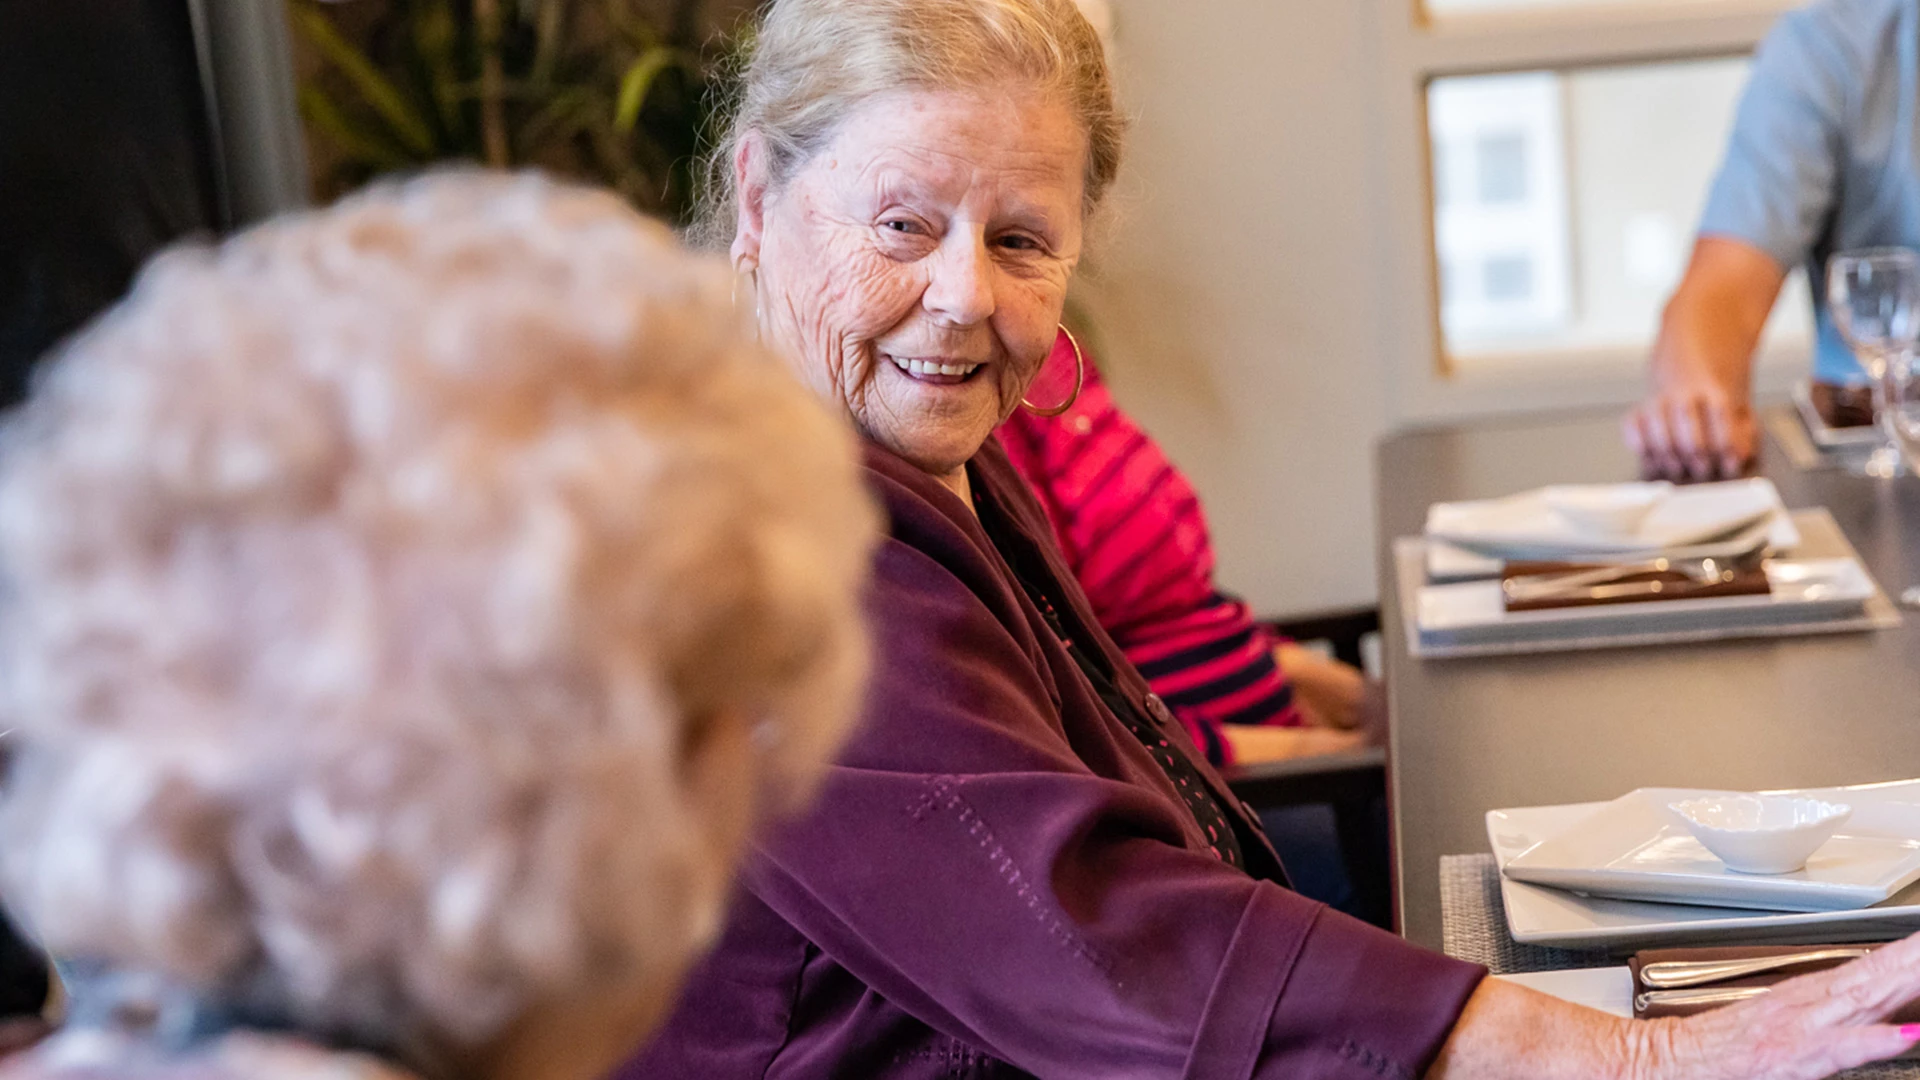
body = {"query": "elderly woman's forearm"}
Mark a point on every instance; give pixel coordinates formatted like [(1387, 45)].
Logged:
[(1511, 1031)]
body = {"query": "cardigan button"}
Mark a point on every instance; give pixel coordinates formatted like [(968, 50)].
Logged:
[(1158, 709)]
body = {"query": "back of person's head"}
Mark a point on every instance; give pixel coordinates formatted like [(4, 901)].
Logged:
[(405, 610)]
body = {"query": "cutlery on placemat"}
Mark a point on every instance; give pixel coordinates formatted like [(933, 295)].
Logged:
[(1708, 570), (1645, 587), (1676, 974)]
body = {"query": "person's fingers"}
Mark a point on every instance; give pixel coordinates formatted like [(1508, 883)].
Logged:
[(1328, 689), (1631, 435), (1811, 1026), (1743, 443), (1873, 986), (1728, 443), (1689, 430), (1639, 435), (1706, 413), (1659, 442), (1852, 1047), (1826, 1003)]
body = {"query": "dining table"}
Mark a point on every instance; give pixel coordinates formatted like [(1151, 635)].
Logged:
[(1470, 735)]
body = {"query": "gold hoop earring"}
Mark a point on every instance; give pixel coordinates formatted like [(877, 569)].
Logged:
[(1079, 380)]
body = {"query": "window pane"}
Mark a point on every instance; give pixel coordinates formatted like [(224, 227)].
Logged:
[(1565, 202), (1503, 168)]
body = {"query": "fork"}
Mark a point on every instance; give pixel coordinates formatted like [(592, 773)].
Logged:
[(1709, 570)]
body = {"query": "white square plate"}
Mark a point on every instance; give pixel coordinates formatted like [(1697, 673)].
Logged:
[(1634, 848), (1802, 589), (1494, 633), (1538, 915), (1523, 526)]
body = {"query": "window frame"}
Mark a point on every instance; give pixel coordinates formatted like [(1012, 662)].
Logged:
[(1426, 385)]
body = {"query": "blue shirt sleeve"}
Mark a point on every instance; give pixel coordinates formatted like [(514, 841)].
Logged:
[(1778, 184)]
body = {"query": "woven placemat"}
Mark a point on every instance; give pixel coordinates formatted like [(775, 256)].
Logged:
[(1473, 923), (1473, 927)]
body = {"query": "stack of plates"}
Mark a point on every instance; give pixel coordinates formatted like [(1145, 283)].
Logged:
[(1452, 603), (1626, 874)]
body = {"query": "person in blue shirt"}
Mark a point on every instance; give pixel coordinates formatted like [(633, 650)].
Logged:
[(1824, 157)]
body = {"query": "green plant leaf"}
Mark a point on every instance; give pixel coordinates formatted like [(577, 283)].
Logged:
[(636, 83), (436, 41), (375, 88), (361, 146), (400, 86)]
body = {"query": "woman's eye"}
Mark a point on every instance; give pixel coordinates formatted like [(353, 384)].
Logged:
[(907, 227), (1019, 243)]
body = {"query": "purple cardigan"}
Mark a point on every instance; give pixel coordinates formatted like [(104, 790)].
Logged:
[(997, 880)]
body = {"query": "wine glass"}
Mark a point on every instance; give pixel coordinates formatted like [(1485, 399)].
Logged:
[(1874, 297), (1903, 406)]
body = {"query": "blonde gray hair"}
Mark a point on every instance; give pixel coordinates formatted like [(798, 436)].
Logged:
[(372, 583), (811, 62)]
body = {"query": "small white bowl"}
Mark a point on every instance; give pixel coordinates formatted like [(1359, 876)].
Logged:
[(1606, 509), (1761, 834)]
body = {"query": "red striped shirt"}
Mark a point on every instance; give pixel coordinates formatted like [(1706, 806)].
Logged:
[(1133, 532)]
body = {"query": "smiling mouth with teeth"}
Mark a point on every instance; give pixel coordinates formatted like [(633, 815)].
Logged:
[(933, 371)]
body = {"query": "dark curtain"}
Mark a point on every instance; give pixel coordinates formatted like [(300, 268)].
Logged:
[(105, 157)]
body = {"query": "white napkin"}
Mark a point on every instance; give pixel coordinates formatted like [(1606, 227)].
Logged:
[(1523, 526)]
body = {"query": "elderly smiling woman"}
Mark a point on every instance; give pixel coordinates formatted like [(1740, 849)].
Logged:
[(408, 606), (1020, 866)]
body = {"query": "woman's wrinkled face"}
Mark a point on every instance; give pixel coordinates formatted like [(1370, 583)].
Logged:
[(915, 268)]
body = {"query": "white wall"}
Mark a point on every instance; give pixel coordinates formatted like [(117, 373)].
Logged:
[(1235, 292)]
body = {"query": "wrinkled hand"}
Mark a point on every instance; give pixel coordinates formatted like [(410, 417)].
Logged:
[(1693, 429), (1809, 1027)]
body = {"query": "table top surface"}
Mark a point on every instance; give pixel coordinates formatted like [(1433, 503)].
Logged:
[(1473, 735)]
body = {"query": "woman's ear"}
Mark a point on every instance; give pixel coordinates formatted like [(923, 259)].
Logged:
[(750, 181)]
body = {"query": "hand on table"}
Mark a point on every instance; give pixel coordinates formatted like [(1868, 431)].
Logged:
[(1253, 744), (1697, 422), (1333, 694), (1804, 1029), (1693, 429), (1812, 1026)]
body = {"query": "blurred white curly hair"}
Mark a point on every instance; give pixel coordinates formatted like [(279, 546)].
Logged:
[(386, 597)]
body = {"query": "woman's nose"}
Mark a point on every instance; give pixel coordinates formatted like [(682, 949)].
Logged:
[(960, 284)]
